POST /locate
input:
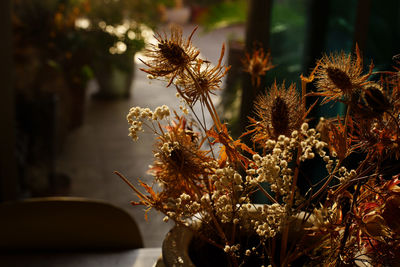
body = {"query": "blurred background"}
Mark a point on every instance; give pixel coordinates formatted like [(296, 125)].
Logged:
[(69, 74)]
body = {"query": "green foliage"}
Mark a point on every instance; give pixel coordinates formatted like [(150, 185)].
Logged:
[(167, 3), (287, 40), (224, 14)]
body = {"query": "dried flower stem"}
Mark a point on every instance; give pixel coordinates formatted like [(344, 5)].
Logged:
[(285, 234), (271, 198), (131, 186), (206, 100)]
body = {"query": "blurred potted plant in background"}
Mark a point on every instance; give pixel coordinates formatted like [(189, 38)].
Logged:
[(115, 31), (174, 11), (112, 56)]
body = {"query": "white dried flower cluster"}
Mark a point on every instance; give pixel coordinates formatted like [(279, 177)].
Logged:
[(136, 116), (345, 175), (168, 147), (330, 163), (232, 249), (227, 183), (270, 221), (273, 168), (184, 206), (248, 252), (311, 143), (266, 220)]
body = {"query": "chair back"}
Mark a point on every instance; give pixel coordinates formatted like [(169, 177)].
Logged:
[(66, 223)]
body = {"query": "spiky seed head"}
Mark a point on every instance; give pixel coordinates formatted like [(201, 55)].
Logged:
[(173, 53), (375, 99), (257, 64), (280, 116), (169, 57), (338, 75), (339, 78), (280, 112)]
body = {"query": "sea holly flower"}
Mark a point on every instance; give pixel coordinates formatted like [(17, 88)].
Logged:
[(339, 75), (171, 55)]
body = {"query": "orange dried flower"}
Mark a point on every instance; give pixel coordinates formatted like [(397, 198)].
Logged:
[(180, 164), (257, 65)]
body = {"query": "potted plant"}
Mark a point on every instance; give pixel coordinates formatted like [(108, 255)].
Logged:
[(207, 179), (114, 33), (112, 56)]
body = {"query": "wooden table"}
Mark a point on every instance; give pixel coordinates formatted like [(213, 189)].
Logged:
[(144, 257)]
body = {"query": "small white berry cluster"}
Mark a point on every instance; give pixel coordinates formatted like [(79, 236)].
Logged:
[(137, 114), (183, 209), (345, 175), (270, 220), (311, 143), (227, 184), (232, 249), (167, 148), (273, 168), (266, 220)]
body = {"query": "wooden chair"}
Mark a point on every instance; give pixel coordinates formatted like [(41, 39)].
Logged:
[(66, 223)]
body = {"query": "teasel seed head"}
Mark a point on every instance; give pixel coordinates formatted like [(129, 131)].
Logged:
[(375, 99), (339, 78), (280, 112), (280, 116), (339, 75)]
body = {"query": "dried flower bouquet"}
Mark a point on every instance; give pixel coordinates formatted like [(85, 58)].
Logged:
[(351, 214)]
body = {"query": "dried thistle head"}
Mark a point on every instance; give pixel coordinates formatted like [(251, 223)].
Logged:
[(280, 111), (202, 80), (257, 65), (171, 55), (179, 163), (375, 98), (377, 126), (339, 75)]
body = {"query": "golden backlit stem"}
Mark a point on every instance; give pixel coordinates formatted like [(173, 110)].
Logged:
[(213, 114), (131, 186), (395, 121), (303, 91), (213, 108), (346, 121)]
